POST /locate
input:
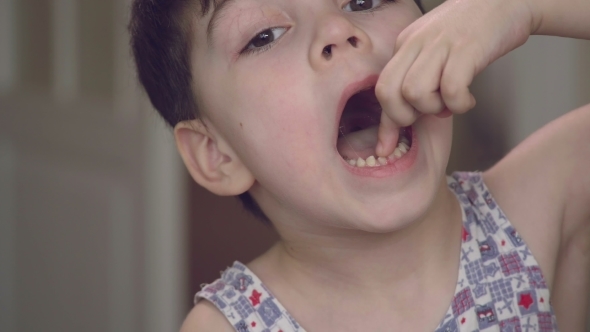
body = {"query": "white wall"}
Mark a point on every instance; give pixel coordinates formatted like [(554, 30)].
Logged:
[(539, 81)]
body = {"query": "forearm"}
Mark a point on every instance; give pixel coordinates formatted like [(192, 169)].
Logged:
[(567, 18)]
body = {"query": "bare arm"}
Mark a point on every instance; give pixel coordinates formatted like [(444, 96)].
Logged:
[(544, 188), (567, 18), (457, 40)]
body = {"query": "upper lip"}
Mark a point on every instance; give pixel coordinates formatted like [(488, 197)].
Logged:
[(353, 88)]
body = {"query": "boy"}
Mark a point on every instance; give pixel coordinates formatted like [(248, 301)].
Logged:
[(332, 116)]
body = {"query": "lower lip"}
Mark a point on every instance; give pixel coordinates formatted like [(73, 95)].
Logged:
[(398, 166)]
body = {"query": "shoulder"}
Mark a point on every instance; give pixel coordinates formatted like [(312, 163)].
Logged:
[(539, 187), (205, 317)]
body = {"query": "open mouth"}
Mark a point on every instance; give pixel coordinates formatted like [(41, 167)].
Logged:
[(358, 128)]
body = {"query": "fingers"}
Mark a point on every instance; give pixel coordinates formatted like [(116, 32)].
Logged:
[(439, 80), (396, 110), (454, 85), (444, 114), (423, 79), (421, 84), (388, 135)]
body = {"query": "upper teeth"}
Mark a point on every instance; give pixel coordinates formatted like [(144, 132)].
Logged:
[(402, 148)]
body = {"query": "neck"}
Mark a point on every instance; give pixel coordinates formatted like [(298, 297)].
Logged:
[(410, 258)]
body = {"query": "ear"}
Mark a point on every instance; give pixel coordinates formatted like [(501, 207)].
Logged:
[(210, 160)]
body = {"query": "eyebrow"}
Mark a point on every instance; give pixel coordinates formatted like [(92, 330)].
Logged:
[(218, 8)]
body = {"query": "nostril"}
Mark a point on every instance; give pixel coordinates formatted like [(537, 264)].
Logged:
[(353, 41), (327, 52)]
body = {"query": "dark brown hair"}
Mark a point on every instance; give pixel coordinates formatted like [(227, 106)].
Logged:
[(161, 42)]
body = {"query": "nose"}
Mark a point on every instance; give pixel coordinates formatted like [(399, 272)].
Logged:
[(336, 38)]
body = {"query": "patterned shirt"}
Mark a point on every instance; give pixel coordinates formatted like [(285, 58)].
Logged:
[(500, 286)]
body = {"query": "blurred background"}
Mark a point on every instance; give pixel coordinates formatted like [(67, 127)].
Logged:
[(101, 229)]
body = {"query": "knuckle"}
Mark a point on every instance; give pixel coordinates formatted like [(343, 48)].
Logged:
[(434, 106), (465, 105), (404, 36), (460, 105), (412, 92), (401, 39), (451, 89), (406, 118), (382, 92)]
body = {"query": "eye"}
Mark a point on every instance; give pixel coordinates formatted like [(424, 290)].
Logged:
[(264, 39), (362, 5)]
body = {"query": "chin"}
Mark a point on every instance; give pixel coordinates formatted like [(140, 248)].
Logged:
[(397, 211)]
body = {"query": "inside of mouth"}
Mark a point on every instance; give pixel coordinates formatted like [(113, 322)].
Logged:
[(358, 130)]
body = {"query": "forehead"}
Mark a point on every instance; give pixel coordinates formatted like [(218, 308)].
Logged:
[(206, 5), (212, 7)]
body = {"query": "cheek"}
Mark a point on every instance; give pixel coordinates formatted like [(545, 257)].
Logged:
[(276, 121)]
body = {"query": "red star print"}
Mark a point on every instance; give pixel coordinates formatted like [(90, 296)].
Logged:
[(542, 300), (463, 320), (526, 300), (253, 324), (503, 242), (465, 234), (255, 298)]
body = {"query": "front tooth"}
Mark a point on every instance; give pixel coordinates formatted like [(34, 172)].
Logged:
[(405, 145), (405, 141), (402, 148), (397, 153), (360, 162), (352, 162), (382, 161), (371, 161)]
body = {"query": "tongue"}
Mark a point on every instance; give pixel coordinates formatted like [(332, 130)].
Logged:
[(360, 143)]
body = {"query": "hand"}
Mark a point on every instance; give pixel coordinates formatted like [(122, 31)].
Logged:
[(437, 57)]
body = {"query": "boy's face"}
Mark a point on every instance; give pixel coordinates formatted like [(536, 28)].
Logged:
[(279, 105)]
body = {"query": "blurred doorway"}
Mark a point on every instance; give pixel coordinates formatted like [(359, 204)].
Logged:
[(90, 193)]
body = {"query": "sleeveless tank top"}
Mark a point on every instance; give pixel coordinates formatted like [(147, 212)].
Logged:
[(500, 286)]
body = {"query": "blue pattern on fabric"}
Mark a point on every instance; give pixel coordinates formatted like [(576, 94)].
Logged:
[(500, 286), (511, 293)]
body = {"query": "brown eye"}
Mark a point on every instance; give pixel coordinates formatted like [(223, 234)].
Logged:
[(358, 5), (265, 38), (361, 5)]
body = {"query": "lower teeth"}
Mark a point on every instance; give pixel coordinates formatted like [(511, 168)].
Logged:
[(401, 149), (363, 142)]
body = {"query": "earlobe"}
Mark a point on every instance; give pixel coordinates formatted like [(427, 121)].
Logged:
[(210, 160)]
